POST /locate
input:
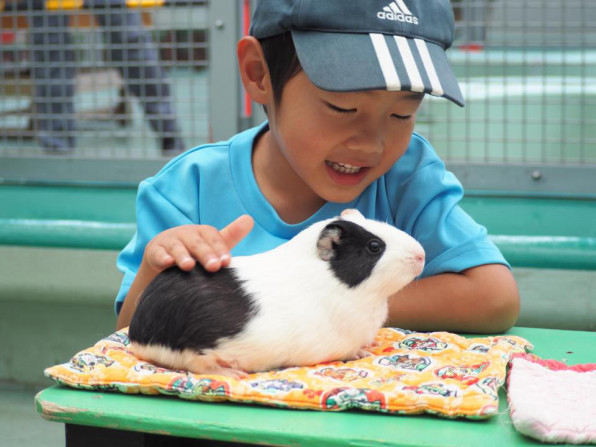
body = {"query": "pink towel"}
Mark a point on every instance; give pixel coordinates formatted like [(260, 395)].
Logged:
[(551, 401)]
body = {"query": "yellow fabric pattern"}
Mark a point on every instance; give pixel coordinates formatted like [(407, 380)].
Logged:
[(409, 373)]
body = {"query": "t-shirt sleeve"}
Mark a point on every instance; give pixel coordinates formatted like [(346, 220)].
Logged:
[(428, 209), (154, 213)]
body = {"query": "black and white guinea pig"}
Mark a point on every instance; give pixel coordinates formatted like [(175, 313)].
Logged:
[(320, 297)]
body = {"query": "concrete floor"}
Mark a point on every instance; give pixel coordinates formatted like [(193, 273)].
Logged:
[(20, 425)]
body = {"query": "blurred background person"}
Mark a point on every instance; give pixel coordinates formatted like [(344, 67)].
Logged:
[(131, 50)]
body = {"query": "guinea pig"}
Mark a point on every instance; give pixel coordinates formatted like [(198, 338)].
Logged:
[(320, 297)]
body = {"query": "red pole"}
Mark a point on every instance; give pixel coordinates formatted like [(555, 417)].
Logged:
[(246, 14)]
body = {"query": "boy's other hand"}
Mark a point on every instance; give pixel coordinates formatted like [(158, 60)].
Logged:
[(186, 245)]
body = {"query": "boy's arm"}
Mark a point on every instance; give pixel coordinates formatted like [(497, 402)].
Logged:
[(482, 299), (142, 280)]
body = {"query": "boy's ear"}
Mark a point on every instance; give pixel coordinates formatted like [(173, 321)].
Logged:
[(253, 70)]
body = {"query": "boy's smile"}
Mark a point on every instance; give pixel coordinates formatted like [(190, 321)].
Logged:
[(346, 174), (328, 146)]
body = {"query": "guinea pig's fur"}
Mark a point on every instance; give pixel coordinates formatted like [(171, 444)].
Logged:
[(320, 297)]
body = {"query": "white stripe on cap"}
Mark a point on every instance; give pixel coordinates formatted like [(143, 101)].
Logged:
[(403, 7), (385, 62), (410, 63), (395, 8), (437, 88)]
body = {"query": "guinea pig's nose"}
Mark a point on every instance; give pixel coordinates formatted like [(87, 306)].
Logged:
[(419, 257)]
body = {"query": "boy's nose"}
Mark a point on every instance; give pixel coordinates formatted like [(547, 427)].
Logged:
[(366, 140)]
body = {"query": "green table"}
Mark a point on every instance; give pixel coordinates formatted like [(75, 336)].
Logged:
[(99, 418)]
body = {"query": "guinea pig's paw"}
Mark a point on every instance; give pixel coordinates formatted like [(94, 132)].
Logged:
[(362, 353), (237, 374), (212, 364), (230, 368)]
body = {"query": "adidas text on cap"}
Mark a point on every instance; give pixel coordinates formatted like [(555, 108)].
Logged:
[(354, 45)]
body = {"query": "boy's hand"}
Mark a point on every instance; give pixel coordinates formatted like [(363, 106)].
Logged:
[(185, 245)]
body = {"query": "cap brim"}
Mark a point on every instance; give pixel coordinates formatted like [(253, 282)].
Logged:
[(355, 62)]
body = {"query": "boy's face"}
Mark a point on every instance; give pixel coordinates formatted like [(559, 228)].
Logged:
[(339, 143)]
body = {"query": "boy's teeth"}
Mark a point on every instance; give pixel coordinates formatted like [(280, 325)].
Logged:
[(344, 167)]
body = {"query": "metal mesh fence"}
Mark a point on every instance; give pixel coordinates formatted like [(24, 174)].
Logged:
[(527, 71), (112, 82), (105, 81)]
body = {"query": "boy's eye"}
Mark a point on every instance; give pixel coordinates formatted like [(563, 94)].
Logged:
[(401, 117), (342, 111), (339, 109)]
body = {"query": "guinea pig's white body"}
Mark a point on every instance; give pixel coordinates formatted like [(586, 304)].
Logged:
[(309, 301)]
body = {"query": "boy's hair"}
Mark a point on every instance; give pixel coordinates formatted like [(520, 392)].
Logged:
[(282, 61)]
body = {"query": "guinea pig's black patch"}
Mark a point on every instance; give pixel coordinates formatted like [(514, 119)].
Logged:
[(355, 251), (191, 310)]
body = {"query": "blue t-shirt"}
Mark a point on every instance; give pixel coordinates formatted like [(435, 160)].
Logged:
[(214, 184)]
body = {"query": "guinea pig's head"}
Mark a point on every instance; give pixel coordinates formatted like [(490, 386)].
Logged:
[(368, 254)]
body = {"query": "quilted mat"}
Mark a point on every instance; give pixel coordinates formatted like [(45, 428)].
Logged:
[(409, 373)]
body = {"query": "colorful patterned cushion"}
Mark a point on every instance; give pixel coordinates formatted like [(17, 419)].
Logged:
[(439, 373)]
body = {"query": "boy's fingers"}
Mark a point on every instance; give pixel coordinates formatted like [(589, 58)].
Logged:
[(237, 230), (161, 259), (208, 247), (183, 258)]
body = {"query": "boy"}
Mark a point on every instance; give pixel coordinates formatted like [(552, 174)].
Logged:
[(341, 81)]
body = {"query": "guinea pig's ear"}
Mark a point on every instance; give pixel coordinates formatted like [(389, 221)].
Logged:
[(353, 214), (329, 237)]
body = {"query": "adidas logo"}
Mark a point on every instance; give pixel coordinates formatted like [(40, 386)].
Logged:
[(397, 10)]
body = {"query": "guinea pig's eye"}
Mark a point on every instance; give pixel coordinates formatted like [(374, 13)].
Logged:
[(374, 245)]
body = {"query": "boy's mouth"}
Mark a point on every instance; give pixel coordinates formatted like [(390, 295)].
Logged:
[(344, 168), (346, 174)]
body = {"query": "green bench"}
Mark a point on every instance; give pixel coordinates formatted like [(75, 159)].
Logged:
[(558, 233), (67, 216)]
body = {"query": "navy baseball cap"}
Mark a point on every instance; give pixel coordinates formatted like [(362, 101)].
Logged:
[(355, 45)]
